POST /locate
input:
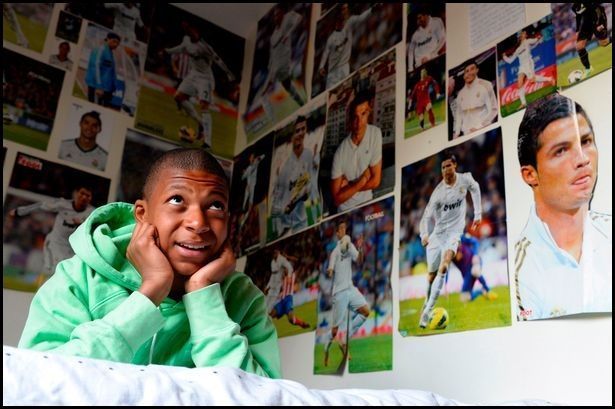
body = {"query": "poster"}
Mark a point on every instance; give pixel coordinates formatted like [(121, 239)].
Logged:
[(287, 273), (453, 271), (355, 305), (527, 68), (250, 196), (583, 34), (349, 176), (472, 101), (190, 88), (30, 94), (44, 205), (87, 137), (26, 24), (278, 80), (349, 36), (295, 199)]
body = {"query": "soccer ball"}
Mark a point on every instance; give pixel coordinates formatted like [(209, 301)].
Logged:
[(575, 76), (438, 318)]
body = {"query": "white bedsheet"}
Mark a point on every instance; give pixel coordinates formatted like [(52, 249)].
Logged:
[(37, 378)]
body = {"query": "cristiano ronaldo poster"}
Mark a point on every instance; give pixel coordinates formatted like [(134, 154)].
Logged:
[(355, 304), (453, 272), (44, 205)]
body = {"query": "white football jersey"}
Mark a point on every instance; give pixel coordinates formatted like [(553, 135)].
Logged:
[(250, 172), (66, 64), (67, 219), (426, 42), (339, 44), (524, 54), (125, 19), (294, 180), (201, 55), (447, 206), (341, 264), (477, 106), (280, 42), (95, 157), (550, 282), (351, 161)]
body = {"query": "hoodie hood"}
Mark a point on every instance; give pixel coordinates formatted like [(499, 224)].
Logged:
[(101, 243)]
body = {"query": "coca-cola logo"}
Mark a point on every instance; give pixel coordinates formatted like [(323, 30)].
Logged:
[(29, 162)]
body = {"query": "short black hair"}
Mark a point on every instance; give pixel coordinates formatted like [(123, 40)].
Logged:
[(300, 118), (64, 42), (449, 154), (92, 114), (470, 62), (185, 159), (113, 36), (360, 97), (538, 115)]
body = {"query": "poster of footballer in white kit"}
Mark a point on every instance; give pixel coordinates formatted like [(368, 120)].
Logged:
[(87, 135), (527, 68), (358, 153), (190, 89), (278, 82), (294, 195), (250, 196), (355, 305), (472, 101), (453, 269), (45, 204), (287, 273), (349, 36)]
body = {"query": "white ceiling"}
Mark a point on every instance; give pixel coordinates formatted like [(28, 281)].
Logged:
[(238, 18)]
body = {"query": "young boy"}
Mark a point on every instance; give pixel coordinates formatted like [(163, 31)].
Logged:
[(155, 282)]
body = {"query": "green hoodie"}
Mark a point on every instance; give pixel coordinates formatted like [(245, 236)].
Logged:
[(91, 307)]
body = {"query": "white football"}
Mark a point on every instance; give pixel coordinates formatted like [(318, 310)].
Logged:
[(575, 76)]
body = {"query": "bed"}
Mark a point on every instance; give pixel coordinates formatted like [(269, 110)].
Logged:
[(42, 378)]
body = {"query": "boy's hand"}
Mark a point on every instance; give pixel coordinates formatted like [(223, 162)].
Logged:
[(213, 272), (144, 253)]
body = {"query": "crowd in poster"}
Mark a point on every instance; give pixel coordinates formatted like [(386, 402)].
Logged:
[(30, 93)]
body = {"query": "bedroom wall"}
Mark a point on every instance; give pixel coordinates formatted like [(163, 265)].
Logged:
[(565, 360)]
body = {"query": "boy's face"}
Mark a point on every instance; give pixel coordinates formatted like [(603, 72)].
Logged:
[(189, 210)]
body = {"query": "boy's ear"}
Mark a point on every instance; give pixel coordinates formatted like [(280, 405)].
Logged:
[(140, 210), (529, 175)]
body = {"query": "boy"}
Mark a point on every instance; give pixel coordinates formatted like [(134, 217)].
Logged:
[(154, 283)]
